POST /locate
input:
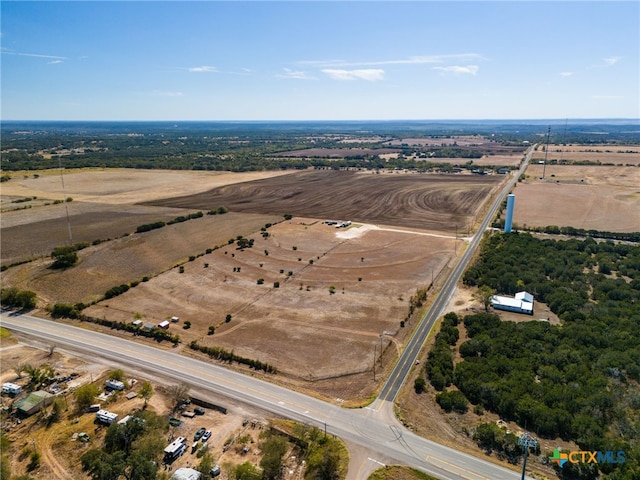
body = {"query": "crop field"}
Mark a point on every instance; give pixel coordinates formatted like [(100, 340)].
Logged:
[(591, 197), (440, 203), (620, 155), (102, 207), (317, 302)]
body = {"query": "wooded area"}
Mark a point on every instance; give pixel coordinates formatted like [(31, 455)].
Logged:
[(577, 381)]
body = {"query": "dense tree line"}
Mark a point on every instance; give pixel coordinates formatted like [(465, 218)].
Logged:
[(577, 381)]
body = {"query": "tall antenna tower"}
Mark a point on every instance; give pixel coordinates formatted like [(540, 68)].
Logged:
[(546, 152)]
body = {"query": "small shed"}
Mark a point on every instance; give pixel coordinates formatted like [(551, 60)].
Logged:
[(137, 323), (33, 402)]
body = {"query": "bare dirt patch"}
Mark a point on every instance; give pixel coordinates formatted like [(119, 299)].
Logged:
[(590, 197), (307, 332), (429, 201)]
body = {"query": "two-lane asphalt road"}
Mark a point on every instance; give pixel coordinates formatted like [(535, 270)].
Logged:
[(385, 438), (359, 426), (408, 357)]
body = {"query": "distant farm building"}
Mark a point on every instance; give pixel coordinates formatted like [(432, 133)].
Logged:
[(33, 402), (521, 303)]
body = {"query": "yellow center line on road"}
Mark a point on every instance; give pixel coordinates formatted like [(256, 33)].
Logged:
[(455, 469), (203, 374)]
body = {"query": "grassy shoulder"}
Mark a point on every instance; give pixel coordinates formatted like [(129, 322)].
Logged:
[(396, 472)]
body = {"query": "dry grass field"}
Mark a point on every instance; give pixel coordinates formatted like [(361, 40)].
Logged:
[(439, 203), (338, 290), (620, 155), (590, 197), (103, 205), (300, 327), (485, 161), (129, 258)]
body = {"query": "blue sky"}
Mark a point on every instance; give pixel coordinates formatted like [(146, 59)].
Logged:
[(338, 60)]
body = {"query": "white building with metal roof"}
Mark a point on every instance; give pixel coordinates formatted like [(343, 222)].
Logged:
[(521, 303)]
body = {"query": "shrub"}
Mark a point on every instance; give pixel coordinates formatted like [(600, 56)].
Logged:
[(212, 330), (276, 284), (12, 297), (64, 256), (453, 400), (260, 281), (419, 385), (64, 310)]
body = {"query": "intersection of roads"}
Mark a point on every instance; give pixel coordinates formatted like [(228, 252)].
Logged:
[(373, 428)]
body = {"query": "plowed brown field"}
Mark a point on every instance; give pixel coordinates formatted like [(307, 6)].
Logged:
[(427, 201)]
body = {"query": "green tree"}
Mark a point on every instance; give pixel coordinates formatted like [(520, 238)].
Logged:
[(245, 471), (23, 299), (85, 395), (117, 374), (146, 392), (483, 295), (64, 257), (206, 464), (273, 450), (100, 465), (452, 400)]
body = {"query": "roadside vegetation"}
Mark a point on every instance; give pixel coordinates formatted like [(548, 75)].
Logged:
[(578, 381)]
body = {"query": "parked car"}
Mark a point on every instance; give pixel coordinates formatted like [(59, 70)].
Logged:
[(206, 436), (199, 411), (199, 434), (215, 471)]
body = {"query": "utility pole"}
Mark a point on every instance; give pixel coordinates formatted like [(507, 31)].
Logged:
[(546, 151), (526, 441)]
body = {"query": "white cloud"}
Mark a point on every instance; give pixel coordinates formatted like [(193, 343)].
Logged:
[(566, 74), (458, 69), (297, 74), (35, 55), (610, 61), (203, 68), (54, 62), (415, 60), (370, 74)]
